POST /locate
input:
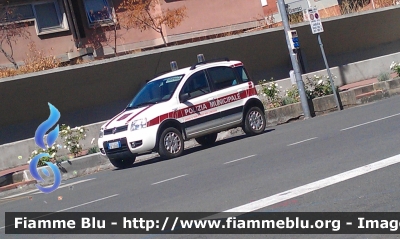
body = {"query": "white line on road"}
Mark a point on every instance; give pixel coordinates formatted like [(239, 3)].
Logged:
[(240, 159), (302, 141), (387, 117), (295, 192), (83, 204), (71, 184), (36, 191), (169, 179)]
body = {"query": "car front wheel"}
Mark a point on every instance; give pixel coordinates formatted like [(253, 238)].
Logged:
[(254, 122), (171, 143)]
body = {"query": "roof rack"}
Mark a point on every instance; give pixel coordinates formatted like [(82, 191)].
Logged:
[(209, 61)]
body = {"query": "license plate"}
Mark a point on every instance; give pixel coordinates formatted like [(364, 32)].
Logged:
[(114, 145)]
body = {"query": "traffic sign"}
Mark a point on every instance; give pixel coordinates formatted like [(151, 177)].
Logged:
[(315, 21), (294, 6)]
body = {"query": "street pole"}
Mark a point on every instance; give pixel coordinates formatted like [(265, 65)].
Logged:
[(338, 103), (295, 64), (339, 106)]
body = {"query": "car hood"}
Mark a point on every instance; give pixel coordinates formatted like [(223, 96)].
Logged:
[(126, 116)]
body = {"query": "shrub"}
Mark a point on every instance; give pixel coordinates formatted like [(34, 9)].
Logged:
[(52, 151), (395, 67), (383, 76), (318, 86), (93, 150), (36, 60), (72, 138), (315, 86), (286, 100), (293, 93), (272, 92)]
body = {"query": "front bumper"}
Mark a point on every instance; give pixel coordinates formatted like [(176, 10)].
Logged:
[(130, 143)]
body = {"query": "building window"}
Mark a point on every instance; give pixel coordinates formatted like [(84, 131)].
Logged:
[(98, 11), (49, 16), (18, 13)]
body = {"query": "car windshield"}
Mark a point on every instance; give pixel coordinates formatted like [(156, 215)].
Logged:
[(155, 92)]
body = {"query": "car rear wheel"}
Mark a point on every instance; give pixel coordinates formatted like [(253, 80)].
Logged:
[(254, 122), (123, 162), (207, 140), (171, 143)]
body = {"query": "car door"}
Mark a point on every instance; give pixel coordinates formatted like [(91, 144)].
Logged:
[(230, 94), (198, 117)]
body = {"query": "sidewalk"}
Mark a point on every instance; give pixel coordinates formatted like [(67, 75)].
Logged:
[(358, 84), (7, 181)]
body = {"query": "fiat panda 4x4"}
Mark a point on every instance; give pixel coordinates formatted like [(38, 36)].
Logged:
[(195, 102)]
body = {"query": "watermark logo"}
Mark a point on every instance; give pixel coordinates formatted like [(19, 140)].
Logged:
[(39, 140)]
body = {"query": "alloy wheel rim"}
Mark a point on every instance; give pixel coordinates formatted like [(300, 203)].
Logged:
[(255, 120), (172, 143)]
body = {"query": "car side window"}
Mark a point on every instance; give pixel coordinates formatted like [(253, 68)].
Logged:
[(196, 85), (223, 77), (242, 73)]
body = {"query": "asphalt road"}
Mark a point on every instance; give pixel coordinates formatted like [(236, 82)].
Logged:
[(241, 170)]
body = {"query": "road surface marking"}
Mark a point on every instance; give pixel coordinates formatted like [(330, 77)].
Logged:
[(70, 184), (240, 159), (83, 204), (302, 141), (36, 191), (369, 122), (169, 179), (295, 192)]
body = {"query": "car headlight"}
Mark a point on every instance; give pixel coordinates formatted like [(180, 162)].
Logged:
[(101, 134), (138, 124)]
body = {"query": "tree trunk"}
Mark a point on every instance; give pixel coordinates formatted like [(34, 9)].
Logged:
[(163, 38), (115, 39), (10, 58)]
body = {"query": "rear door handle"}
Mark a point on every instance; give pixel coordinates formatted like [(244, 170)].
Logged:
[(211, 99), (240, 90)]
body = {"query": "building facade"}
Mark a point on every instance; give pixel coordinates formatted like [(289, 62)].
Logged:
[(69, 29)]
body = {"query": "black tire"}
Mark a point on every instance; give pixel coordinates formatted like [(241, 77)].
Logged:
[(207, 140), (123, 162), (254, 122), (171, 143)]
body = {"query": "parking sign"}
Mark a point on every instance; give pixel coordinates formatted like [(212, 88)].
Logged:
[(315, 20)]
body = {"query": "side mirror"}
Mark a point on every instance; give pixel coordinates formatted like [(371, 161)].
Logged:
[(184, 97)]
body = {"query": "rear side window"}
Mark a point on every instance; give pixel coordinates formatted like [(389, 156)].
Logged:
[(223, 77), (242, 73)]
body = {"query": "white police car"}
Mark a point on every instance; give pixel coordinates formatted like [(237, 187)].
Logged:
[(195, 102)]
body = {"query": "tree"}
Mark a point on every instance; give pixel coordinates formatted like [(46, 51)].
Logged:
[(143, 15), (10, 31), (105, 32)]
